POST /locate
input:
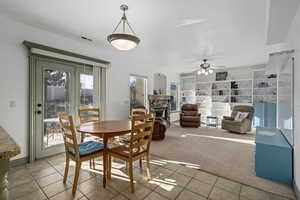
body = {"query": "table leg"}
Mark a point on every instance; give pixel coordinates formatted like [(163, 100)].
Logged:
[(4, 166), (104, 161)]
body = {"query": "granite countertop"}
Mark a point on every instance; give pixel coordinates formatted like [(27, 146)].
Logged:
[(8, 147)]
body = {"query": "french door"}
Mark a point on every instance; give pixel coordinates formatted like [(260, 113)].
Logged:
[(138, 91), (59, 87)]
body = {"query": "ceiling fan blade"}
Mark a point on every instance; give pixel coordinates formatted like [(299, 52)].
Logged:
[(199, 58), (190, 22), (218, 67), (193, 60)]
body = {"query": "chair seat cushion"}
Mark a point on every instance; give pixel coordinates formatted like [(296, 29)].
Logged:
[(190, 113), (88, 147), (232, 122), (125, 151), (191, 118)]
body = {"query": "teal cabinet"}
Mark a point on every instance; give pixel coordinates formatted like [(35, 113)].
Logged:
[(265, 115), (273, 156)]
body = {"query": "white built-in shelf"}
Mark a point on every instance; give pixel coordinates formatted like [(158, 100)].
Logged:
[(221, 89), (241, 88), (264, 94), (241, 95), (269, 95), (187, 91), (261, 88), (243, 92)]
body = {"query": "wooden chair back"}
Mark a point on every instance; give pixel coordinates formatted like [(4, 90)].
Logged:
[(141, 135), (88, 115), (139, 111), (69, 133)]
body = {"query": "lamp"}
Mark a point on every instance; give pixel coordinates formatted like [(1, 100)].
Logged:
[(123, 41)]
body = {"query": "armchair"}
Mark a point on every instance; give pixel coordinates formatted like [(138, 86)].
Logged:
[(160, 124), (228, 122), (189, 116)]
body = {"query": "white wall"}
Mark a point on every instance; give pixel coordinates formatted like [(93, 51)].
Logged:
[(293, 40), (14, 74)]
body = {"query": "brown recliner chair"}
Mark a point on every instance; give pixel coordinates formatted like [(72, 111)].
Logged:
[(228, 123), (189, 116), (160, 125)]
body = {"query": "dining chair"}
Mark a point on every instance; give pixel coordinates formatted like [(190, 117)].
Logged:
[(139, 111), (88, 115), (125, 139), (138, 147), (74, 151)]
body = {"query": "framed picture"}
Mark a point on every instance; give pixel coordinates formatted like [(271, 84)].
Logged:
[(221, 76)]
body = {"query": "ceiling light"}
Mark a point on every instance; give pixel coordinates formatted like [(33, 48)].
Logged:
[(205, 68), (199, 72), (123, 41)]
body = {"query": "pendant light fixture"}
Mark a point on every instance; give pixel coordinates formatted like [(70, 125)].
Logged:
[(123, 41), (205, 68)]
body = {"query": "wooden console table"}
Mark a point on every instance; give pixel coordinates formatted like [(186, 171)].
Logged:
[(8, 149)]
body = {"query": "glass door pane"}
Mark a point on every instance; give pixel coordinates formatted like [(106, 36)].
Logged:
[(138, 90), (86, 89), (56, 100), (55, 93)]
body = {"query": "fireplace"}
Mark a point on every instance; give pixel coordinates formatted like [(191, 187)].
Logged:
[(160, 105)]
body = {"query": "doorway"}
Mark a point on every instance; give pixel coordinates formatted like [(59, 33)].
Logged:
[(59, 86), (138, 91)]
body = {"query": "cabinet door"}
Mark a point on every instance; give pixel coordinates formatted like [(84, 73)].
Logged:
[(270, 115), (259, 115)]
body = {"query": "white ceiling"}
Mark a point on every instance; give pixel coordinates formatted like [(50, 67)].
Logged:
[(281, 15), (233, 32)]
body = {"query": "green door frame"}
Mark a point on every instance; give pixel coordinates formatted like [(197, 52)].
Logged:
[(32, 85)]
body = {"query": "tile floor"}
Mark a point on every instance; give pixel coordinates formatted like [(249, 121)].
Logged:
[(170, 180)]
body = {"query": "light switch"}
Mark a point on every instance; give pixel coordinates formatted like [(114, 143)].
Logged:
[(12, 104)]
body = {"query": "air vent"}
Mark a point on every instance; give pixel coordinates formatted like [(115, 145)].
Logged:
[(85, 38)]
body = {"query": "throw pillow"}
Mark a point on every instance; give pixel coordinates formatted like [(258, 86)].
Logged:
[(240, 116)]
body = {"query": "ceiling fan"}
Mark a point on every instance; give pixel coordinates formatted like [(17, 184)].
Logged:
[(207, 68)]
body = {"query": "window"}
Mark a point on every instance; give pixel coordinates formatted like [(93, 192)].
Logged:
[(86, 89)]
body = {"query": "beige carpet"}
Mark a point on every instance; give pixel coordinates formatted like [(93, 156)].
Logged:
[(217, 151)]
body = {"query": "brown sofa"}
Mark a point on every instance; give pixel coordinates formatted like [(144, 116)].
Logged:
[(228, 123), (189, 116)]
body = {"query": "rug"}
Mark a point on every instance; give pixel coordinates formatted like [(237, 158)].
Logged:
[(219, 152)]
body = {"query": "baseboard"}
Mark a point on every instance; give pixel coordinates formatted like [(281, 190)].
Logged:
[(17, 162), (297, 192)]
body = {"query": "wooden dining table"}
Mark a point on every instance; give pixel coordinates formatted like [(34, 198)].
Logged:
[(106, 130)]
